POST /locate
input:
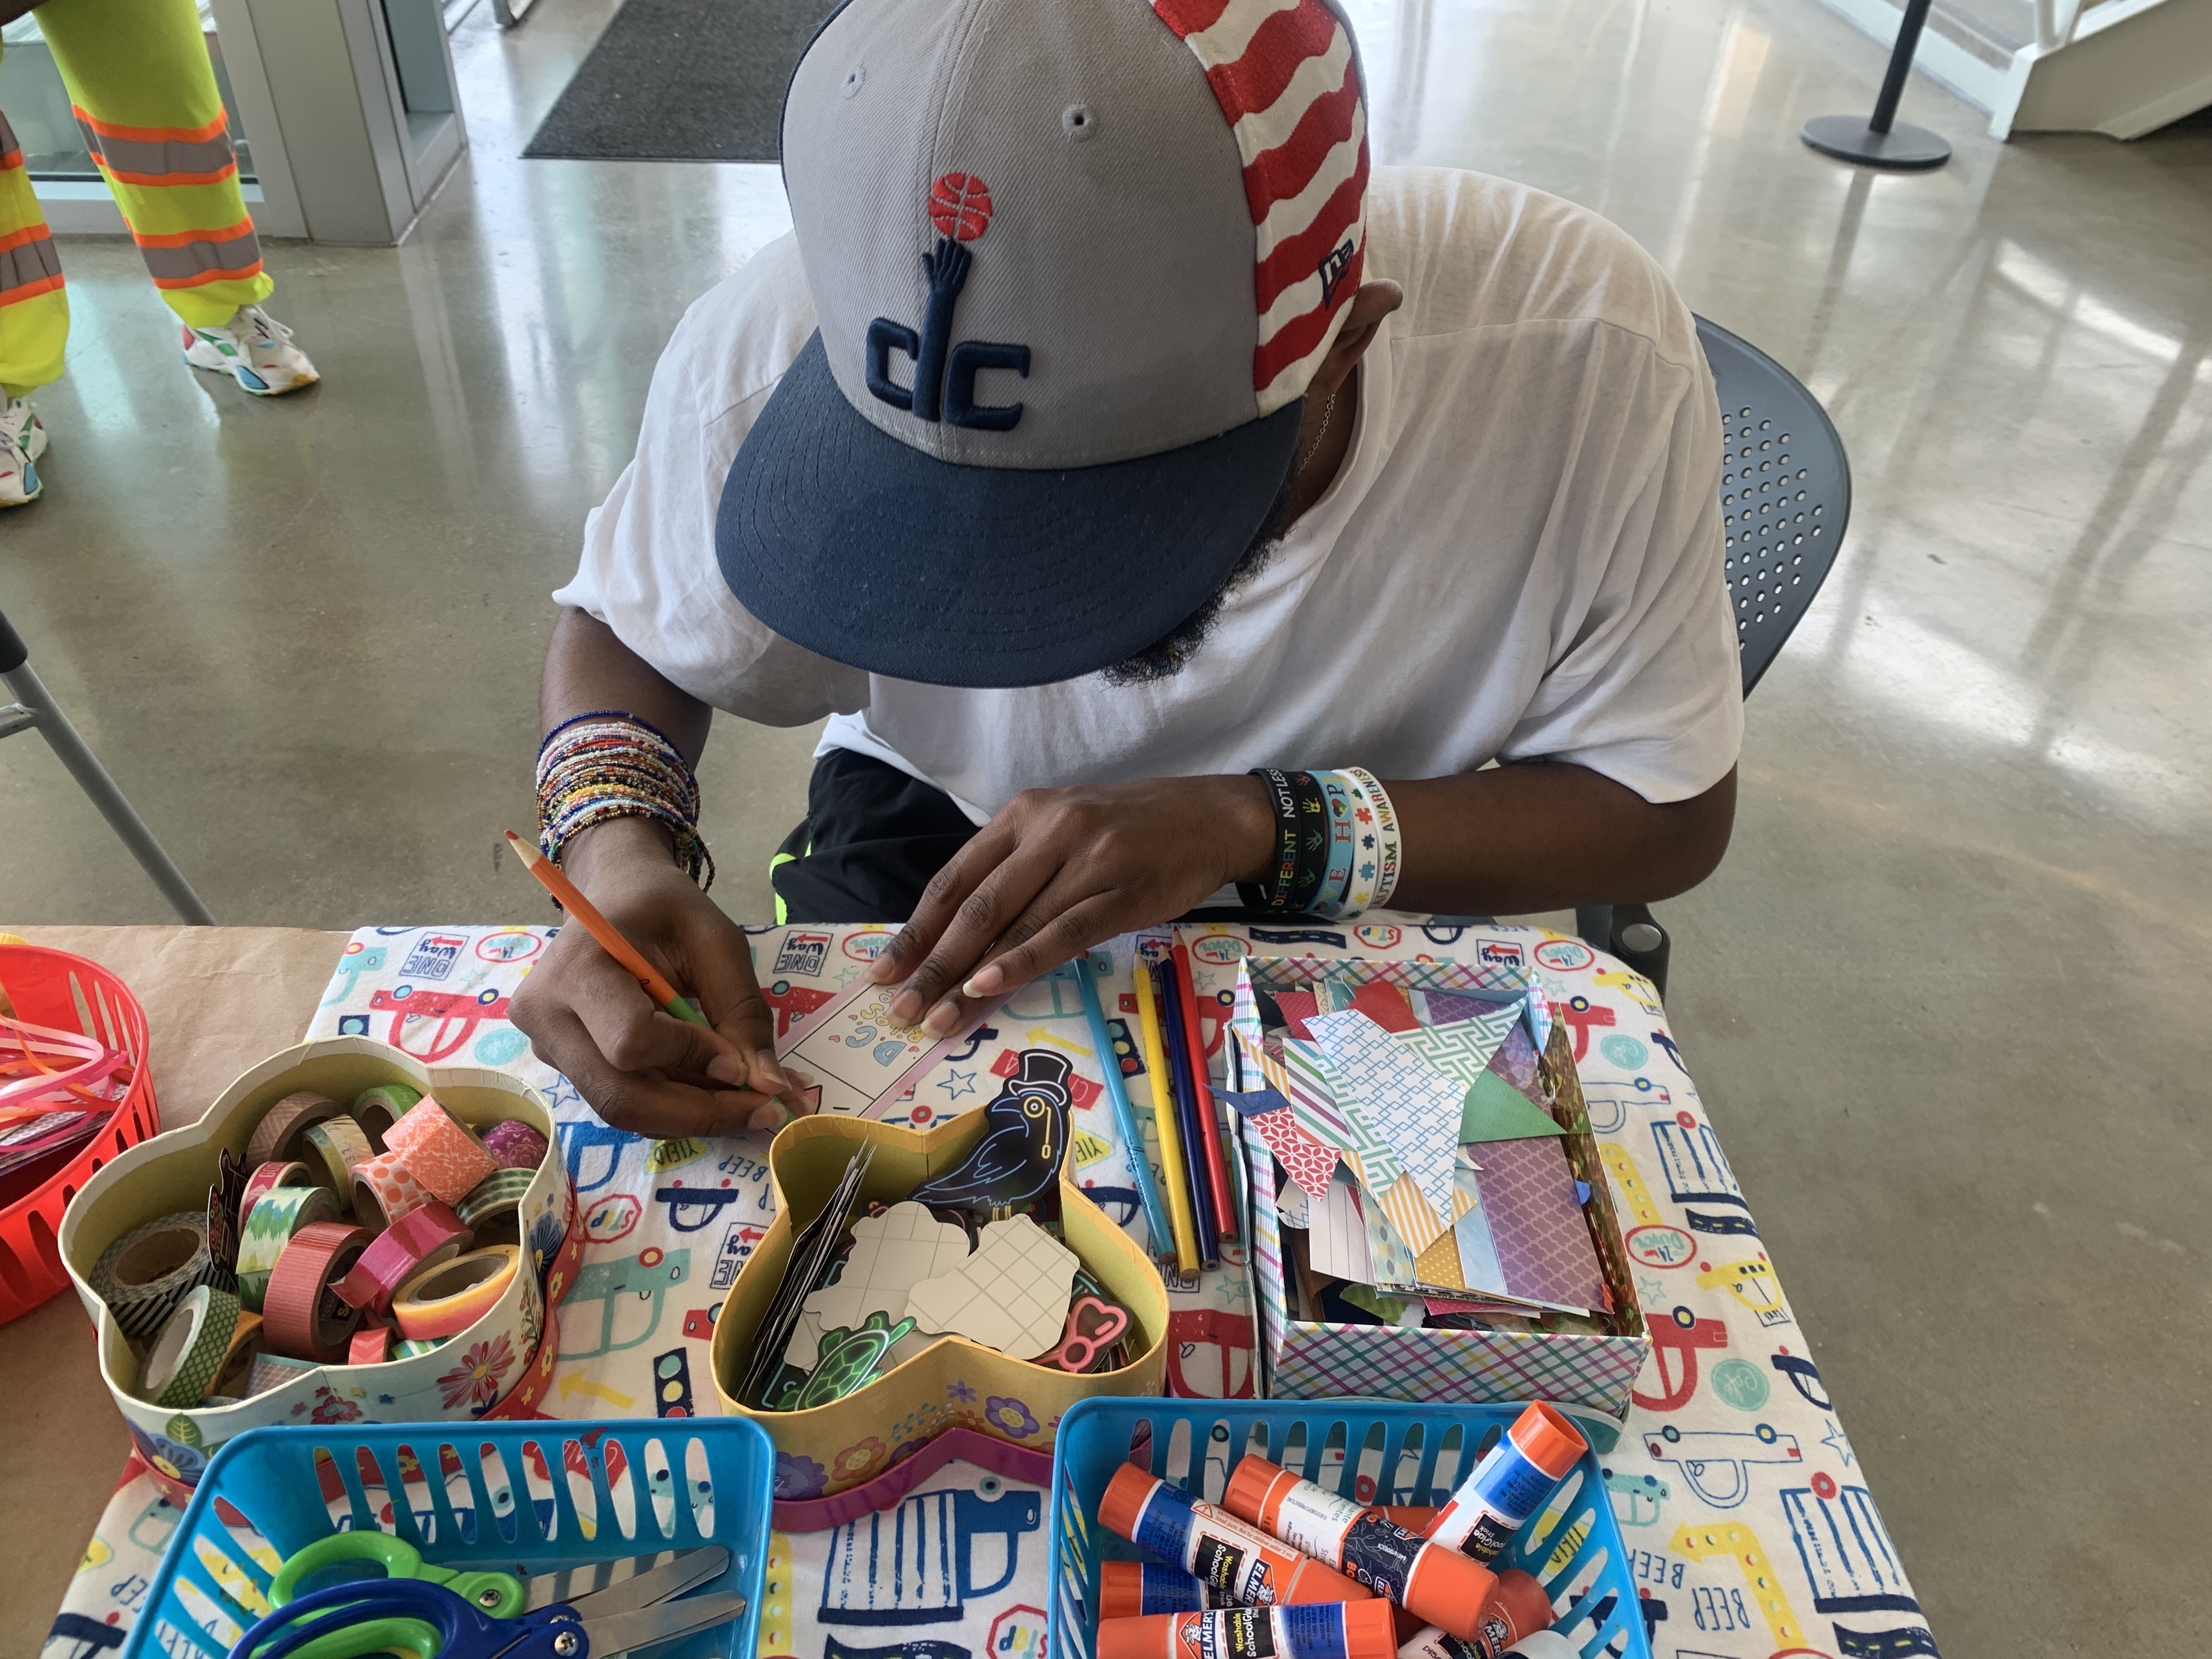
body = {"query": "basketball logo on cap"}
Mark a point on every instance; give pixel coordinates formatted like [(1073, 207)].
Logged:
[(960, 206)]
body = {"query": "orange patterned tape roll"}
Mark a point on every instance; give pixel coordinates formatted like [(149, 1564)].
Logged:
[(443, 1155), (302, 1316), (384, 1189), (281, 1136), (447, 1299)]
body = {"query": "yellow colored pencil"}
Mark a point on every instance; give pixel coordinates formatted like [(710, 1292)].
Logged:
[(1163, 1118), (555, 881)]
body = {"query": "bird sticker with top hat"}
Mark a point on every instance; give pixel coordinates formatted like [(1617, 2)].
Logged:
[(944, 388)]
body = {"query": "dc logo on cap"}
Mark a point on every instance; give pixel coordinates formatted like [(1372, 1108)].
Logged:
[(959, 207)]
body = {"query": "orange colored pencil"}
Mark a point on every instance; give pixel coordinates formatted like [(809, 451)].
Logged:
[(555, 882)]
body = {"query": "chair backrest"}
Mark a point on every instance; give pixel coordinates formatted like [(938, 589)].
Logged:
[(1785, 494)]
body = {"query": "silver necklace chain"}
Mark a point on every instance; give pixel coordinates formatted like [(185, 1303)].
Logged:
[(1328, 412)]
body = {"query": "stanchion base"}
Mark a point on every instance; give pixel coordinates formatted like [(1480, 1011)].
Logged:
[(1849, 138)]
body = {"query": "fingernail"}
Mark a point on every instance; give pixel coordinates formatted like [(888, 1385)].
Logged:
[(770, 1075), (727, 1068), (770, 1116), (944, 1018), (986, 982), (884, 968), (906, 1007)]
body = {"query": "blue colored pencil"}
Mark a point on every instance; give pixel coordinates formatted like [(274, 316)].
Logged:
[(1186, 1100), (1157, 1232)]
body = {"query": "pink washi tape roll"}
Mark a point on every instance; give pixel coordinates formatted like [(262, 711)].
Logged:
[(422, 1239), (371, 1346), (384, 1189), (443, 1155), (278, 1137), (276, 1173), (301, 1317), (515, 1144), (446, 1300)]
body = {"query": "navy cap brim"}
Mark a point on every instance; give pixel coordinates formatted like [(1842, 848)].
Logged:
[(845, 541)]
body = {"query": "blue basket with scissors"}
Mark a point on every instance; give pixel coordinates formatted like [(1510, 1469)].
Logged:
[(528, 1540), (1374, 1451)]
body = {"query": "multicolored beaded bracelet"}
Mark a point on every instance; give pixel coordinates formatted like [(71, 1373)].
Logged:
[(610, 764)]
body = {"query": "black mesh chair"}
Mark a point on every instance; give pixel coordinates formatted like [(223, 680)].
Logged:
[(1785, 497), (34, 709)]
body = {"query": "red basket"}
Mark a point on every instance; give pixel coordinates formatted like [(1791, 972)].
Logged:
[(54, 988)]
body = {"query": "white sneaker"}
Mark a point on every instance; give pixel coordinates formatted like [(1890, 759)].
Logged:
[(22, 440), (254, 350)]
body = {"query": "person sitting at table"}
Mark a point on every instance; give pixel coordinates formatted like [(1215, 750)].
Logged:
[(1103, 434)]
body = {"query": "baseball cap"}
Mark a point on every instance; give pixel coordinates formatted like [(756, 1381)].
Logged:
[(1073, 263)]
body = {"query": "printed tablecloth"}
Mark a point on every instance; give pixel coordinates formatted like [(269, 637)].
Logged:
[(1750, 1530)]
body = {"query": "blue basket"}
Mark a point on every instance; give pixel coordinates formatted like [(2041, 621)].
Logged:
[(1375, 1451), (533, 1496)]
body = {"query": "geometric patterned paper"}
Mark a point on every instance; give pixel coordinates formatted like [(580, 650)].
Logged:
[(1415, 1110), (1463, 1048), (1309, 1163), (1543, 1243)]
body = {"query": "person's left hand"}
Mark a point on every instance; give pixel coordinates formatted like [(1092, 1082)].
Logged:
[(1058, 870)]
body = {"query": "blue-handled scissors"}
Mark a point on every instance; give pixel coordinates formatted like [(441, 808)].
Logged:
[(429, 1621)]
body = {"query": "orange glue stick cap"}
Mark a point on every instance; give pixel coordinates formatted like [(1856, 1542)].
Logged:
[(1449, 1590), (1521, 1601), (1371, 1630), (1548, 1438), (1124, 1501)]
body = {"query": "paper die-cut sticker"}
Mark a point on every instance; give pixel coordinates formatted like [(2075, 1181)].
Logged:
[(850, 1360), (891, 1254), (1543, 1243), (1095, 1323), (1253, 1102), (1415, 1110), (1018, 1158), (1012, 1294), (1309, 1163), (1463, 1048), (1496, 1110)]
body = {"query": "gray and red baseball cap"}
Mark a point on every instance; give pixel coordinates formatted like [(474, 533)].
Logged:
[(1073, 264)]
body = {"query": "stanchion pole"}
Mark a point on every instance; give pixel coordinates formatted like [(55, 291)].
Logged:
[(1881, 141)]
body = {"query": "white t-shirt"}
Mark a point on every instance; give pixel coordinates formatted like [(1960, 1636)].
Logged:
[(1520, 557)]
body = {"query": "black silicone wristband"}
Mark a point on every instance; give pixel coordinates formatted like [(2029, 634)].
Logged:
[(1312, 834), (1282, 800)]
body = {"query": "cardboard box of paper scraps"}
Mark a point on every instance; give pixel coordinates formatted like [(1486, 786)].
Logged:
[(1430, 1219)]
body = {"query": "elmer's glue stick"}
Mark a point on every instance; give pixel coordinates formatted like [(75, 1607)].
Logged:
[(1321, 1630), (1433, 1582), (1244, 1565), (1519, 1610), (1134, 1589), (1524, 1469)]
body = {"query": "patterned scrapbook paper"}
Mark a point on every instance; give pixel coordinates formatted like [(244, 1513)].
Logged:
[(1413, 1108), (1751, 1524), (1528, 1197)]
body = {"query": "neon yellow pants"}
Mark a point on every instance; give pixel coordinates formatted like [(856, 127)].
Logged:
[(145, 98)]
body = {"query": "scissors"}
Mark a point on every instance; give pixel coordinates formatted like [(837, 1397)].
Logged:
[(430, 1619), (499, 1594)]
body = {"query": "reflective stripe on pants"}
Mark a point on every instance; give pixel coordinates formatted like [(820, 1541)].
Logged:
[(33, 307)]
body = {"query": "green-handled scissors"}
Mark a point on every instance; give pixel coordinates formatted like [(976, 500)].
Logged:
[(499, 1594)]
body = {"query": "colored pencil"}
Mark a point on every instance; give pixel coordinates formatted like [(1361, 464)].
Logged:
[(587, 915), (1157, 1228), (1187, 1123), (1217, 1166), (1163, 1121)]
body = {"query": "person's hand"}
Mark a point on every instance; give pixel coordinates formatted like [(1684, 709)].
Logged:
[(641, 1068), (1058, 870)]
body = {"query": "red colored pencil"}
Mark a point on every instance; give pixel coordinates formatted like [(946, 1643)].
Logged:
[(1217, 1167)]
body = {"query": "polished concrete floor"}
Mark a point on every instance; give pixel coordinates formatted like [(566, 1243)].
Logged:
[(1939, 998)]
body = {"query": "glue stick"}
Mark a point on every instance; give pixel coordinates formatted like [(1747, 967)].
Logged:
[(1518, 1611), (1524, 1468), (1134, 1589), (1433, 1582), (1324, 1630), (1244, 1565)]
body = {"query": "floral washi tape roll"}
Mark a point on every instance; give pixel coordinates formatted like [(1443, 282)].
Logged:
[(340, 1145), (145, 1272), (420, 1238), (279, 1213), (384, 1189), (267, 1177), (281, 1134), (378, 1108), (515, 1144), (442, 1154), (190, 1350), (448, 1300), (303, 1317), (491, 1210)]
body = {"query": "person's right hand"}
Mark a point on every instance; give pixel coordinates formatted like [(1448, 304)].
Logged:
[(640, 1068)]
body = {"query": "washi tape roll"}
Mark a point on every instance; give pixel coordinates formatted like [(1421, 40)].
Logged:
[(384, 1189), (145, 1272), (342, 1146), (280, 1133), (442, 1154), (303, 1317), (188, 1353), (489, 1210), (273, 1370), (515, 1144), (238, 1359), (378, 1108), (275, 1173), (411, 1348), (420, 1238), (447, 1299), (371, 1346), (278, 1218)]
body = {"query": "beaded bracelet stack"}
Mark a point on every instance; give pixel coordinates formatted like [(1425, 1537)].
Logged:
[(1336, 844), (608, 764)]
